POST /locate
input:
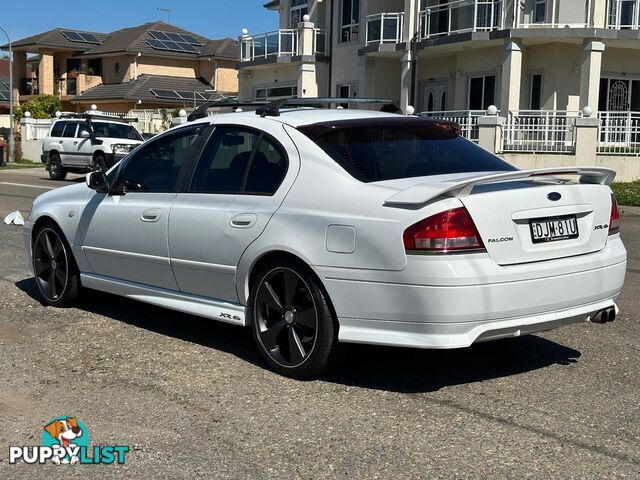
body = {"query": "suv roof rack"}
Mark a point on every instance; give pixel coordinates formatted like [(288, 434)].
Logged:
[(271, 108), (94, 116)]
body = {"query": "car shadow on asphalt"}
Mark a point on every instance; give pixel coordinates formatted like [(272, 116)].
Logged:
[(366, 366)]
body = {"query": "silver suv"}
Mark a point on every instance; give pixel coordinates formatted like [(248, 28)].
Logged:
[(83, 142)]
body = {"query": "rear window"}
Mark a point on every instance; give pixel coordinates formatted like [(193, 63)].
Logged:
[(115, 130), (374, 150), (57, 129)]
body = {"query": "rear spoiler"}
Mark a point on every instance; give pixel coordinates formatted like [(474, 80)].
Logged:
[(424, 192)]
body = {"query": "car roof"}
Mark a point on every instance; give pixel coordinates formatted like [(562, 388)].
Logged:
[(296, 117)]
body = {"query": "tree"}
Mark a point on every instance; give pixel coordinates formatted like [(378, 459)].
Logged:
[(40, 106)]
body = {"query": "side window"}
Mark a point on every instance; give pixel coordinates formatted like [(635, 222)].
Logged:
[(83, 128), (70, 130), (267, 170), (57, 129), (238, 160), (155, 168), (224, 161)]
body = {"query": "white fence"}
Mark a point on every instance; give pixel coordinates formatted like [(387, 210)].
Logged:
[(35, 128), (467, 119), (534, 131), (619, 133)]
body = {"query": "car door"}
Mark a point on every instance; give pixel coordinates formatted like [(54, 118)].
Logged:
[(125, 235), (238, 183), (66, 145)]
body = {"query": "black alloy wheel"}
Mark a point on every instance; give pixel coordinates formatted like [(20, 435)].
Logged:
[(54, 268)]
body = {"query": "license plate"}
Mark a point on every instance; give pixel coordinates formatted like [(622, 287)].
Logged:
[(553, 229)]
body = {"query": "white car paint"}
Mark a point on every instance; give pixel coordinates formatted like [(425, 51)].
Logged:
[(194, 259)]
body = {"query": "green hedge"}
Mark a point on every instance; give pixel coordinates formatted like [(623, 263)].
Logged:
[(627, 193)]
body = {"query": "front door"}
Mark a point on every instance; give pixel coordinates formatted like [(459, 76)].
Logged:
[(126, 235), (238, 184), (433, 96)]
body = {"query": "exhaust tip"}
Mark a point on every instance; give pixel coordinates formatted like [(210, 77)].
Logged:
[(600, 317), (611, 314)]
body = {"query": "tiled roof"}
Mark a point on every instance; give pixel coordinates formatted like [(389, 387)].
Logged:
[(132, 40), (54, 38), (140, 89), (223, 48)]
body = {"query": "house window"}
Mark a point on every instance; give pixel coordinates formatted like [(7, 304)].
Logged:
[(349, 20), (346, 91), (535, 91), (299, 8), (539, 11), (482, 92), (274, 93), (94, 66), (619, 95)]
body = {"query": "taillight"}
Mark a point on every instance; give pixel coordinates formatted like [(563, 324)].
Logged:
[(614, 220), (445, 232)]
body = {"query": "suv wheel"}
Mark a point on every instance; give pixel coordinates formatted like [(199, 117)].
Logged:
[(293, 323), (56, 170), (100, 163)]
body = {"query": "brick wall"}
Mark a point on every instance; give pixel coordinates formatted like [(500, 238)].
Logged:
[(227, 76), (167, 66)]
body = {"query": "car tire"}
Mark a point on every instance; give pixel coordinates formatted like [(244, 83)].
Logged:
[(55, 270), (100, 163), (293, 323), (56, 170)]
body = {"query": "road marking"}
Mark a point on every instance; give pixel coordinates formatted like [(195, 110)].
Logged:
[(27, 185)]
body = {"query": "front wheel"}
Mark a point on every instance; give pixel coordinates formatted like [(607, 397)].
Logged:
[(100, 164), (55, 270), (56, 171), (293, 324)]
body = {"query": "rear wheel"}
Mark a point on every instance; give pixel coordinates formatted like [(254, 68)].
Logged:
[(293, 324), (100, 163), (55, 270), (56, 170)]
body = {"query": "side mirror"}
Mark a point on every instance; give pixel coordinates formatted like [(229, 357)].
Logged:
[(97, 181), (85, 134)]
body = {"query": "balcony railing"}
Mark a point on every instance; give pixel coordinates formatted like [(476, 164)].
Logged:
[(461, 16), (619, 133), (537, 131), (66, 86), (29, 86), (623, 14), (467, 119), (279, 43), (384, 28)]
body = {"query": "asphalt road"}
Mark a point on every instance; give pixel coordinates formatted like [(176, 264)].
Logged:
[(192, 398)]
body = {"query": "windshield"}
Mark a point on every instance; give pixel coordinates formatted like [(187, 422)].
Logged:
[(115, 130), (373, 150)]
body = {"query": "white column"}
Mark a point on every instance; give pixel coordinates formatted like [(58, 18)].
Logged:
[(406, 78), (511, 78), (407, 64), (590, 75), (599, 13), (244, 85)]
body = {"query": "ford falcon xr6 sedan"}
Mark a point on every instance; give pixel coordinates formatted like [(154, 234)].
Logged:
[(318, 226)]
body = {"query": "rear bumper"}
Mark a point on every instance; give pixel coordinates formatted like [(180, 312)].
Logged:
[(437, 311)]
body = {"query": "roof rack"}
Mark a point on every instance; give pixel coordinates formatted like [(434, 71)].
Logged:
[(271, 108), (95, 116)]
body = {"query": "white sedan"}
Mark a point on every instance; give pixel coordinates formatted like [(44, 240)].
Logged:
[(316, 227)]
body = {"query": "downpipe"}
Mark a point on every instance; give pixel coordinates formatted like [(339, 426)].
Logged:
[(604, 316)]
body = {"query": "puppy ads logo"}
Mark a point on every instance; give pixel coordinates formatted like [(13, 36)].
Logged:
[(65, 441)]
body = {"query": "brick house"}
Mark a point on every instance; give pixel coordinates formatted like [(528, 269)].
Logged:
[(154, 65)]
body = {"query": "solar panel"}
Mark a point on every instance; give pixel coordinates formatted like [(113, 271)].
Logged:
[(188, 48), (159, 35), (159, 44), (186, 95), (173, 36), (80, 37), (171, 94), (189, 39), (89, 37)]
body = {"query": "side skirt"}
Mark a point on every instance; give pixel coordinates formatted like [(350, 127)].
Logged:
[(182, 302)]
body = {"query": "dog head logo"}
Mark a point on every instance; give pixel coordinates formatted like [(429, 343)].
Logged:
[(67, 434)]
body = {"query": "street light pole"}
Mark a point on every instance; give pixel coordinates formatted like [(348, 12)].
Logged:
[(11, 143)]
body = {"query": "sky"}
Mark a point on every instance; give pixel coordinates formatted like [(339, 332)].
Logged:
[(209, 18)]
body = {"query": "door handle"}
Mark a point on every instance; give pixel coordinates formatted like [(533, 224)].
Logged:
[(151, 215), (60, 142), (244, 220), (75, 143)]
